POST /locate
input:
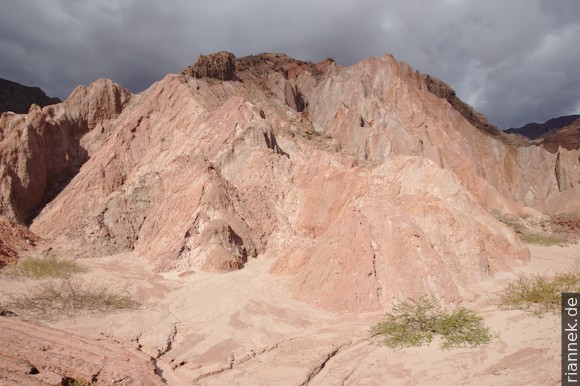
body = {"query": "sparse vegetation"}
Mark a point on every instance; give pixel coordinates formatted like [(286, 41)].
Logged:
[(539, 294), (73, 382), (416, 322), (66, 297), (536, 231), (59, 295), (45, 267), (546, 240)]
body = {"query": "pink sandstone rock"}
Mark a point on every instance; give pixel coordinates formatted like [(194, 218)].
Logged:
[(378, 189), (33, 354)]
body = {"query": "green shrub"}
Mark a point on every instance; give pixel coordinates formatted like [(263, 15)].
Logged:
[(463, 327), (43, 267), (65, 297), (539, 294), (415, 322)]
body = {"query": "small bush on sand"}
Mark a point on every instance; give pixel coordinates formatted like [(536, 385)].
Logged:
[(44, 267), (415, 322), (539, 294), (74, 382), (65, 297)]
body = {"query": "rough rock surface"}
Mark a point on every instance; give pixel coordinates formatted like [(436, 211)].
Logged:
[(221, 65), (14, 239), (374, 189), (43, 150), (567, 137), (33, 354), (18, 98)]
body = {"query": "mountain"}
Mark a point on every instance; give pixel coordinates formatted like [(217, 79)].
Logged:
[(265, 212), (562, 132), (567, 137), (18, 98), (359, 181), (537, 130)]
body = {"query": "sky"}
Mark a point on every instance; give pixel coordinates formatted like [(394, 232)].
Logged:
[(516, 61)]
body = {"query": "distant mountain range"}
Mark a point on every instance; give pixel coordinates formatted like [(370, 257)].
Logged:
[(536, 130), (18, 98), (562, 131)]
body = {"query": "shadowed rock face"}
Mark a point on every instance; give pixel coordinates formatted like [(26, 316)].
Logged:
[(14, 239), (361, 183), (18, 98), (43, 150), (221, 66)]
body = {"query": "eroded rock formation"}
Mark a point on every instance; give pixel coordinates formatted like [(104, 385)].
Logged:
[(33, 354), (567, 137), (43, 150), (375, 188), (221, 65), (14, 239)]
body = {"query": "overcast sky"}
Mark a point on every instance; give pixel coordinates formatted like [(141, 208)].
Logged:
[(517, 61)]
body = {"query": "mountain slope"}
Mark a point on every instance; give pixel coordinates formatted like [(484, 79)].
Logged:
[(44, 149)]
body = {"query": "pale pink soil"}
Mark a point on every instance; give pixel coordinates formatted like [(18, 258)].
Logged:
[(243, 328)]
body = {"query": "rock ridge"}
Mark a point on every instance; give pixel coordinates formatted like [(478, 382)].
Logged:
[(220, 65)]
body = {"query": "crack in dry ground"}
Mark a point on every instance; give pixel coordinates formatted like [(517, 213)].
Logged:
[(321, 364), (233, 363), (169, 342)]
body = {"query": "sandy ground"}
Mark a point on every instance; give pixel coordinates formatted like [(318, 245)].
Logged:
[(243, 328)]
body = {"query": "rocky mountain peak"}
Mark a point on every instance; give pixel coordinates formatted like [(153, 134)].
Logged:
[(220, 65), (261, 64)]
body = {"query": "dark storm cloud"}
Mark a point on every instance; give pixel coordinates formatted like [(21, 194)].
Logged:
[(516, 61)]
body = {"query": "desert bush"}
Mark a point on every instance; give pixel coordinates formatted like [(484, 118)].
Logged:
[(66, 297), (44, 267), (538, 294), (414, 322), (74, 382)]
